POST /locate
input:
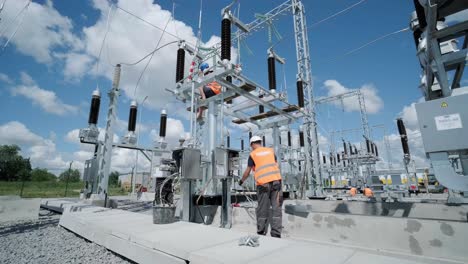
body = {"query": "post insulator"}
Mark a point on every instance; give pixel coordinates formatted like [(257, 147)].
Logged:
[(180, 67), (162, 124), (403, 136), (300, 93), (132, 118), (271, 73), (94, 109), (226, 39), (301, 139), (261, 109)]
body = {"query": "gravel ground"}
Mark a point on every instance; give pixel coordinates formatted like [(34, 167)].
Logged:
[(43, 241)]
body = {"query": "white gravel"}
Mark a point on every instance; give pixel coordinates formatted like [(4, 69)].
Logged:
[(43, 241)]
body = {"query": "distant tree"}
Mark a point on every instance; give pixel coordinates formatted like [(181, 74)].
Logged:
[(13, 166), (72, 175), (39, 174), (114, 178)]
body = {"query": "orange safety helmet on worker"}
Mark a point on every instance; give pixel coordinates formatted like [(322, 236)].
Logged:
[(368, 192), (266, 169)]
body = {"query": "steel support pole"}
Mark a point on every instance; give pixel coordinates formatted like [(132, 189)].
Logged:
[(212, 128), (105, 162)]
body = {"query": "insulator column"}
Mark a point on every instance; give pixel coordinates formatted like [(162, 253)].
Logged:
[(350, 148), (180, 67), (300, 93), (226, 39), (324, 159), (229, 79), (301, 138), (242, 144), (271, 74), (261, 109), (355, 150), (250, 135), (376, 151), (403, 135), (331, 159), (263, 141), (345, 148), (94, 109), (421, 14), (162, 124), (132, 118), (338, 157), (368, 145), (289, 139), (228, 141), (372, 147)]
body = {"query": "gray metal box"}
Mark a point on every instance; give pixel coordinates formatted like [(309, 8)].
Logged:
[(444, 123), (189, 162), (225, 162)]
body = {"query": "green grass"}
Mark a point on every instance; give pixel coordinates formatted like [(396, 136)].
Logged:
[(47, 189)]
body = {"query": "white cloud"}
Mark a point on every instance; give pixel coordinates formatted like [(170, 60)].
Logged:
[(372, 100), (43, 152), (4, 78), (458, 17), (45, 99), (43, 30)]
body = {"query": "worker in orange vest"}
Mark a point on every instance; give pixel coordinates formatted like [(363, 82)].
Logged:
[(368, 192), (353, 191), (209, 90), (269, 189)]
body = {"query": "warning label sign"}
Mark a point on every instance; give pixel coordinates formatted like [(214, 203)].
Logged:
[(447, 122)]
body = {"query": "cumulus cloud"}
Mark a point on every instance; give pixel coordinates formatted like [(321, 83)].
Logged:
[(372, 100), (409, 115), (5, 78), (458, 17), (43, 30), (41, 151), (45, 99)]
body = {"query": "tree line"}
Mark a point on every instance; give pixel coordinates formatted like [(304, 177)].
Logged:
[(14, 167)]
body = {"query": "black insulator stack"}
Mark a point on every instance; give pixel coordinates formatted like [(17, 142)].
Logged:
[(373, 147), (345, 148), (376, 150), (338, 157), (242, 144), (368, 145), (350, 148), (226, 39), (300, 167), (94, 109), (301, 138), (300, 93), (162, 124), (250, 135), (132, 118), (324, 159), (263, 141), (344, 163), (355, 150), (229, 79), (271, 73), (421, 14), (289, 138), (403, 136), (279, 139), (180, 67), (334, 161), (261, 109), (228, 141), (331, 158)]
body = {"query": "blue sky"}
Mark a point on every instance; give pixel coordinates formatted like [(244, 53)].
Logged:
[(48, 71)]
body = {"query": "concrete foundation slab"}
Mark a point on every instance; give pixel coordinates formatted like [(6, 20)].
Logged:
[(134, 236), (14, 208)]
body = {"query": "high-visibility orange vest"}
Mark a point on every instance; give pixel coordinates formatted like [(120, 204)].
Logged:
[(266, 169), (353, 191), (215, 87), (368, 192)]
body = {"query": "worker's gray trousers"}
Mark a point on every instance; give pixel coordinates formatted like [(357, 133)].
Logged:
[(270, 198)]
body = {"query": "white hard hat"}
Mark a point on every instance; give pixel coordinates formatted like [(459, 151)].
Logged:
[(254, 139)]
